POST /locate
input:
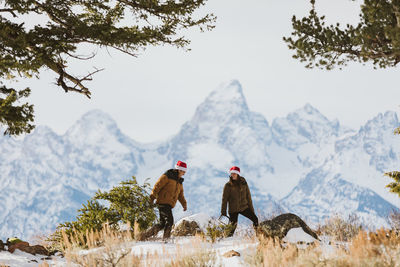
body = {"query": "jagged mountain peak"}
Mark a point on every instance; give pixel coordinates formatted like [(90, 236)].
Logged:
[(98, 116), (308, 113), (228, 93), (93, 121), (94, 154), (385, 121), (96, 128), (302, 126), (224, 106)]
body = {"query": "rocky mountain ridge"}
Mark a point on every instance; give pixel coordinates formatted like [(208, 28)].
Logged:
[(302, 163)]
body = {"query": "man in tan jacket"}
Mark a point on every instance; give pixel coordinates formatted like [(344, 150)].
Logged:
[(167, 191), (237, 195)]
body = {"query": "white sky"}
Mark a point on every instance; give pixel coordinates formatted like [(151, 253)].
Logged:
[(151, 96)]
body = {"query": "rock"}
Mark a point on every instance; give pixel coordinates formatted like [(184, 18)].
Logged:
[(279, 226), (231, 253), (25, 247), (37, 249), (20, 245), (186, 228), (13, 240), (1, 245)]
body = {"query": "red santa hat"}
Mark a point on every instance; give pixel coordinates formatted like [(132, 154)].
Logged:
[(180, 165), (234, 169)]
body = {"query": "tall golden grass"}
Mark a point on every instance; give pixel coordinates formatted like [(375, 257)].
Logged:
[(362, 248), (104, 248), (379, 248), (112, 248)]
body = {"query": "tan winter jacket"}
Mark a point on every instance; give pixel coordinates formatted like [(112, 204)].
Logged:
[(168, 189), (237, 196)]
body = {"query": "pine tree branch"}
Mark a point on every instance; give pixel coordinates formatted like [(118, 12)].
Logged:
[(397, 14), (9, 10), (78, 83)]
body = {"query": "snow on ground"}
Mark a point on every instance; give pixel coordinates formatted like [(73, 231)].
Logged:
[(296, 235), (158, 253), (22, 259), (202, 219), (165, 252)]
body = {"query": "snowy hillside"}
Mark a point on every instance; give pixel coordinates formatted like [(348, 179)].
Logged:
[(303, 163)]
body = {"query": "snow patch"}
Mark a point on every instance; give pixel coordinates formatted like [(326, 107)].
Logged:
[(201, 219), (298, 235)]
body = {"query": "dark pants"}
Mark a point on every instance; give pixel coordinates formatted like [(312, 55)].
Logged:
[(166, 219), (248, 213)]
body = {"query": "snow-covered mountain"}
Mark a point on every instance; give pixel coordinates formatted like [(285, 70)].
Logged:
[(302, 163)]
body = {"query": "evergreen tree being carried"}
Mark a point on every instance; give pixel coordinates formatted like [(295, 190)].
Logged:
[(128, 203)]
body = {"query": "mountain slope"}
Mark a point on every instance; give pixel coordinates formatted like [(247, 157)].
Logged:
[(314, 165)]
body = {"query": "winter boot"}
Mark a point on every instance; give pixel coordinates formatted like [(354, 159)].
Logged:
[(149, 233), (167, 233)]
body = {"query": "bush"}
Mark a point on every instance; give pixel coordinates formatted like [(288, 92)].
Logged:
[(216, 230), (128, 203), (341, 229), (394, 220)]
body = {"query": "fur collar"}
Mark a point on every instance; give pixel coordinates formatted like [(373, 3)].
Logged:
[(240, 181), (173, 175)]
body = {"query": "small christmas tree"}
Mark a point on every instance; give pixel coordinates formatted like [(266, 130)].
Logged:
[(127, 203)]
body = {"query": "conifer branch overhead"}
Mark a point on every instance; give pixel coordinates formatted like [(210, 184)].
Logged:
[(129, 26), (375, 39)]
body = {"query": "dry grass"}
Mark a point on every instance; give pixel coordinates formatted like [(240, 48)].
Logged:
[(105, 248), (112, 248), (199, 255), (202, 258), (341, 229), (362, 248), (380, 248), (394, 220)]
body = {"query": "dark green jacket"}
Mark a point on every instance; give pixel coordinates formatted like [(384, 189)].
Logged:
[(237, 196)]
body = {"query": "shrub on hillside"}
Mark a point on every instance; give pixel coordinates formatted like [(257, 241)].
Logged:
[(394, 220), (218, 230), (127, 203), (341, 229)]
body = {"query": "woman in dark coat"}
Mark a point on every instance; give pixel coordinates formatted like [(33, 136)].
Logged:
[(238, 198)]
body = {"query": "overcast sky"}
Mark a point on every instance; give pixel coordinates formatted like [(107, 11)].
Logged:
[(151, 96)]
